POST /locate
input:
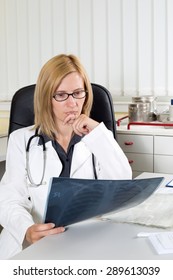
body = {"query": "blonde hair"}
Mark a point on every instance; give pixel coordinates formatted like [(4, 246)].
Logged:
[(49, 79)]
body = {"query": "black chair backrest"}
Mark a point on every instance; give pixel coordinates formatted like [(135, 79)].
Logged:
[(22, 111)]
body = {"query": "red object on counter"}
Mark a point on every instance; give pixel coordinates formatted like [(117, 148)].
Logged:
[(143, 123), (149, 123), (119, 120)]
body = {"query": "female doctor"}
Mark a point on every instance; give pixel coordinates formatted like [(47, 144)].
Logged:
[(70, 138)]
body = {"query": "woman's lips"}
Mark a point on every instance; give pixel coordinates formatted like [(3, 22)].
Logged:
[(71, 113)]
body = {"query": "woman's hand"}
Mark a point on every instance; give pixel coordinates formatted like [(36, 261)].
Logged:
[(38, 231), (83, 124)]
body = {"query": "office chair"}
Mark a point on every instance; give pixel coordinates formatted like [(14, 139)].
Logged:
[(22, 111)]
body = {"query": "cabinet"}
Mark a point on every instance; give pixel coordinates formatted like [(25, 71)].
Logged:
[(163, 154), (3, 147), (148, 152), (139, 151)]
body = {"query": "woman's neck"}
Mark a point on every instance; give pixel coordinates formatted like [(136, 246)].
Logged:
[(64, 136)]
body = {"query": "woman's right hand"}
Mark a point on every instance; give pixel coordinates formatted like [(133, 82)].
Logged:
[(38, 231)]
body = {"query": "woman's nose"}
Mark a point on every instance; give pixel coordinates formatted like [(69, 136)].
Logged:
[(71, 100)]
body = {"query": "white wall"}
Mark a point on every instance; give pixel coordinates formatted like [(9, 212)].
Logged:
[(125, 45)]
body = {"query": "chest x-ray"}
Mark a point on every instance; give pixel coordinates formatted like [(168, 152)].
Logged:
[(74, 200)]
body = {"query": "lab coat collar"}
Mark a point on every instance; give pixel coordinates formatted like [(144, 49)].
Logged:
[(46, 139), (75, 139), (80, 154)]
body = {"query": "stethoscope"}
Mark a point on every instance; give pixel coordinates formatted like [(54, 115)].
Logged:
[(32, 183), (28, 171)]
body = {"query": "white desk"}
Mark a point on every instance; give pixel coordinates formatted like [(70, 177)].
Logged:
[(97, 240)]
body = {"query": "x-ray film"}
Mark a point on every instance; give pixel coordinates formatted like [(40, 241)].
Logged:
[(74, 200)]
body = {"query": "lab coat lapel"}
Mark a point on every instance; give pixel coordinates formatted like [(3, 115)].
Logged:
[(80, 156), (53, 163)]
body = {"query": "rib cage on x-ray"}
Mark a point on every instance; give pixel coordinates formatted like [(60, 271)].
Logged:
[(75, 200)]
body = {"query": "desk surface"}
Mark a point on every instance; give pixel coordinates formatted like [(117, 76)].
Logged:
[(97, 240)]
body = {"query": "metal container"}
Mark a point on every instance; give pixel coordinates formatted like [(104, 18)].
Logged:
[(146, 99), (139, 112), (146, 112)]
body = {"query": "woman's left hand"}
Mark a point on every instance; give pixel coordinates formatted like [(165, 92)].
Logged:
[(83, 125)]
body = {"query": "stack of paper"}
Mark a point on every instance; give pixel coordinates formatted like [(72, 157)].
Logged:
[(162, 242)]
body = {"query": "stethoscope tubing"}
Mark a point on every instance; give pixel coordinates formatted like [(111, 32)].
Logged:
[(28, 170)]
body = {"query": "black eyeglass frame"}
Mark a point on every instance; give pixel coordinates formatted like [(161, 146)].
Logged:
[(71, 94)]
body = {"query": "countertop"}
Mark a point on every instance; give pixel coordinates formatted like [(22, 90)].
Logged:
[(150, 129), (4, 123)]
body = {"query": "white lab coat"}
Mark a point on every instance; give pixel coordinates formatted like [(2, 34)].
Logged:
[(17, 211)]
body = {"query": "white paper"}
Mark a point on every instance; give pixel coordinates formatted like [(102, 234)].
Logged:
[(162, 242), (153, 212)]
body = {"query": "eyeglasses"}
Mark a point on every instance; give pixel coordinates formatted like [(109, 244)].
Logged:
[(62, 96)]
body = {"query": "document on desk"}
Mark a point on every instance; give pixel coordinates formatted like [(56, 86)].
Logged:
[(162, 242), (74, 200)]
